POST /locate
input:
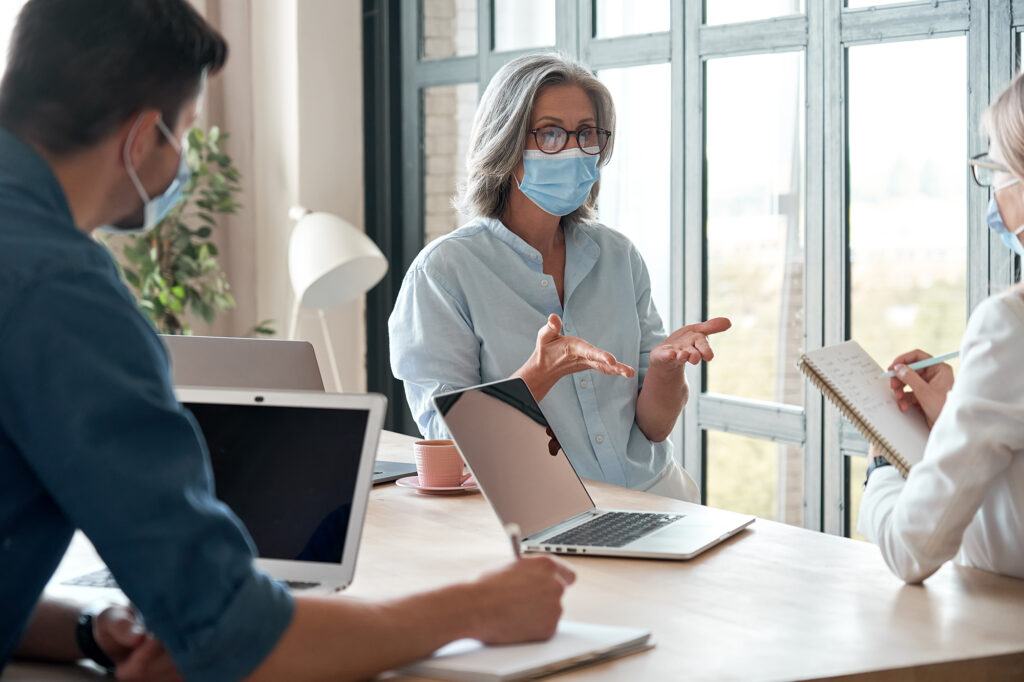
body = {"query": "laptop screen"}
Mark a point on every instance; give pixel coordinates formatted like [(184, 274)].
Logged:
[(507, 443), (289, 473)]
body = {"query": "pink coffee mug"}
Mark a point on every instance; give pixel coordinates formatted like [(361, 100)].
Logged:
[(439, 464)]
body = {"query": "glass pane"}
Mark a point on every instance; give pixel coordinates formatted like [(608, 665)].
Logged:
[(731, 11), (617, 18), (636, 184), (447, 117), (743, 476), (449, 28), (8, 15), (755, 228), (522, 24), (908, 229), (856, 471)]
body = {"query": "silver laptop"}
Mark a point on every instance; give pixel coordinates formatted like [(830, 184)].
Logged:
[(271, 364), (295, 467), (216, 361), (503, 437)]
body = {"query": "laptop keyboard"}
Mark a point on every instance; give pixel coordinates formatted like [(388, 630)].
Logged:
[(100, 578), (613, 529), (104, 578)]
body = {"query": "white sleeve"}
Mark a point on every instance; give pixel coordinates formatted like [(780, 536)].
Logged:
[(918, 524)]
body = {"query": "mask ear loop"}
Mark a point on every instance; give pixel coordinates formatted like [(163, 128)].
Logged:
[(1013, 181), (128, 161)]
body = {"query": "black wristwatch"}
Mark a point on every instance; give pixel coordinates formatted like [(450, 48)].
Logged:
[(878, 461), (87, 642)]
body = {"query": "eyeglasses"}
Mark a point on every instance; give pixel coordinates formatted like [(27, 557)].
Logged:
[(553, 139), (985, 168)]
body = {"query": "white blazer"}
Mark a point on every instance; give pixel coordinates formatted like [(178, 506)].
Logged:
[(967, 494)]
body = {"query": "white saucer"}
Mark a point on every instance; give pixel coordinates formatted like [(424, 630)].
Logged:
[(413, 482)]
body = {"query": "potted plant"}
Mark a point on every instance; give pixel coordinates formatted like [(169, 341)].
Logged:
[(173, 269)]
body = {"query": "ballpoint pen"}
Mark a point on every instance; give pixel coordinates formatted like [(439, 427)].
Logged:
[(922, 364), (515, 534)]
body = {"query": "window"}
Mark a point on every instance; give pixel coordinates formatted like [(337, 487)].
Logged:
[(803, 150), (8, 15)]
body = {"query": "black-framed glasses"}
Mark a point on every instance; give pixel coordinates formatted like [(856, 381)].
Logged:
[(553, 139), (984, 169)]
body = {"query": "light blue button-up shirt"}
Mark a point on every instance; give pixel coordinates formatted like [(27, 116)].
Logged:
[(469, 311)]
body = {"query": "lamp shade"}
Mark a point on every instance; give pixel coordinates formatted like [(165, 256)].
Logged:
[(330, 261)]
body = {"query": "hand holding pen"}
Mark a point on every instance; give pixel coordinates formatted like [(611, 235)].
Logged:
[(920, 381)]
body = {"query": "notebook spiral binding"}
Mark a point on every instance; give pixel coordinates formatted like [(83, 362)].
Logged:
[(836, 397)]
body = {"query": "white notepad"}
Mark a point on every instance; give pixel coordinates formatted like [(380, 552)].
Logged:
[(848, 376), (574, 645)]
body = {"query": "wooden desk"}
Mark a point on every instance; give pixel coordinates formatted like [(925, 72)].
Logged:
[(773, 603)]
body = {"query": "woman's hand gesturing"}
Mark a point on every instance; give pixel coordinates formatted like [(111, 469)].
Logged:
[(689, 344), (556, 355)]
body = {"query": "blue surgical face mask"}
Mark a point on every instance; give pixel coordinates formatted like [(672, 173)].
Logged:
[(155, 208), (996, 224), (559, 183)]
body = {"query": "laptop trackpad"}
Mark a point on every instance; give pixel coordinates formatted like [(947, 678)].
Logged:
[(683, 537)]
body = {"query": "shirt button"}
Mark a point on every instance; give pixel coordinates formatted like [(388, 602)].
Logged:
[(600, 439), (533, 256), (543, 282), (583, 384)]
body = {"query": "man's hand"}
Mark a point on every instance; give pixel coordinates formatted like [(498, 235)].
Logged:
[(137, 655), (521, 602), (925, 390)]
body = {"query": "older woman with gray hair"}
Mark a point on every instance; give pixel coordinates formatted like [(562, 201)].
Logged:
[(965, 498), (609, 379)]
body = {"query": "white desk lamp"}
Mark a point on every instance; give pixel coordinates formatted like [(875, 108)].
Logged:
[(330, 262)]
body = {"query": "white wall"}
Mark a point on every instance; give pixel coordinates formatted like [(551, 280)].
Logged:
[(291, 97)]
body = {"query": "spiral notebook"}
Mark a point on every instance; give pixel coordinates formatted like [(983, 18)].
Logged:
[(848, 377)]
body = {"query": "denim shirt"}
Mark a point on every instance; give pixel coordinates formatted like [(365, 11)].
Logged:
[(469, 311), (92, 437)]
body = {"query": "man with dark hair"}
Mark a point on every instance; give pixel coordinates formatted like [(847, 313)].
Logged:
[(96, 100)]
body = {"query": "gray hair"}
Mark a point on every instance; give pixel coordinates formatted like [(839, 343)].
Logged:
[(502, 122)]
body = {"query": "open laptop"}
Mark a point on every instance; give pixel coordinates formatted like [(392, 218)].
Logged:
[(295, 467), (503, 437), (271, 364)]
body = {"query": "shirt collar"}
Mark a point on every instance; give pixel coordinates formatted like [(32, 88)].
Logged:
[(515, 242), (581, 251), (575, 235), (22, 167)]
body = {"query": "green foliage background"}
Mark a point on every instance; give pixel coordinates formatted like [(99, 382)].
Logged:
[(173, 269)]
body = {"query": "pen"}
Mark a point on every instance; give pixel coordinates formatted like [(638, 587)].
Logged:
[(515, 535), (922, 364)]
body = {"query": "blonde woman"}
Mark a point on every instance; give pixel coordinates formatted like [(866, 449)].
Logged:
[(608, 378), (966, 497)]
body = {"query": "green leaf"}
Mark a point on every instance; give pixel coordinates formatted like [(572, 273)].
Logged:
[(132, 278), (178, 291), (204, 232)]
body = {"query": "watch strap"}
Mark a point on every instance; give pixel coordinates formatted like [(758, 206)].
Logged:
[(876, 462), (87, 642)]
